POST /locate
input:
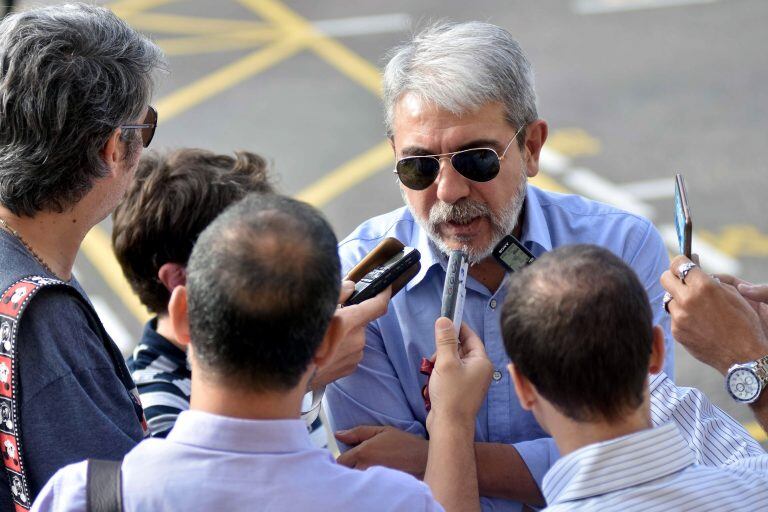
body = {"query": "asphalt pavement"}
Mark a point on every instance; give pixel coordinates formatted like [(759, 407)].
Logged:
[(633, 90)]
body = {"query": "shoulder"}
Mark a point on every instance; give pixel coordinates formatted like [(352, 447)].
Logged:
[(398, 224), (576, 206), (400, 491), (65, 491)]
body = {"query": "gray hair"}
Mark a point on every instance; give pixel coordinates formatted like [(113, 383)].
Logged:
[(459, 67), (69, 76)]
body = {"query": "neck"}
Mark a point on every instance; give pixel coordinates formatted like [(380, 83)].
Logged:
[(225, 399), (54, 238), (165, 329), (571, 435)]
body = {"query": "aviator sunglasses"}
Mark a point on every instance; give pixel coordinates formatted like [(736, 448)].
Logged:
[(476, 164), (147, 127)]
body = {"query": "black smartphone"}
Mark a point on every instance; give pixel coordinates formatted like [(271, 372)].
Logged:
[(511, 254), (404, 262), (683, 221), (454, 289)]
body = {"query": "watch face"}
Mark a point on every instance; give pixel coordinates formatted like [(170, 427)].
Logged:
[(743, 385)]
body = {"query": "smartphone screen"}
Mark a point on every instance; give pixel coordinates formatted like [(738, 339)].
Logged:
[(683, 222)]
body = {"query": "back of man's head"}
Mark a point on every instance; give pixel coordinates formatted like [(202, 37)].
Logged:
[(578, 325), (262, 285), (70, 75), (171, 201)]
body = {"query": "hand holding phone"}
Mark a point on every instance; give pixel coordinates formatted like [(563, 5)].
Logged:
[(454, 289), (389, 263), (683, 221)]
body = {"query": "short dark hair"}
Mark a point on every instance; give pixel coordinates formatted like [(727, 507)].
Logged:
[(577, 323), (173, 198), (263, 282), (70, 75)]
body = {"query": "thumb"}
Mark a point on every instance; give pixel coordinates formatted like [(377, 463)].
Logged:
[(446, 342), (756, 292)]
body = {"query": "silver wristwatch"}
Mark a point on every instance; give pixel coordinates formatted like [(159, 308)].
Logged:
[(745, 381)]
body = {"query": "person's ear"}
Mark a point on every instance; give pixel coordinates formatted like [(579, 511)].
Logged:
[(656, 362), (172, 275), (112, 152), (535, 137), (523, 388), (325, 352), (179, 314)]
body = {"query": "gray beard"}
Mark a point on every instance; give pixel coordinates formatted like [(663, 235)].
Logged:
[(465, 210)]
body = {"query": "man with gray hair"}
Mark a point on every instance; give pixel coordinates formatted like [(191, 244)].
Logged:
[(462, 119), (75, 87)]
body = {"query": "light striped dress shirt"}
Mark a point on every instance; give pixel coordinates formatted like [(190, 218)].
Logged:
[(699, 458)]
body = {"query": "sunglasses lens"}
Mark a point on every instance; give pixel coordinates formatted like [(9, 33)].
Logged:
[(148, 133), (477, 164), (417, 172)]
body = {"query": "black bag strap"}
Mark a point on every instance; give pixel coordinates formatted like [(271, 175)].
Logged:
[(104, 486)]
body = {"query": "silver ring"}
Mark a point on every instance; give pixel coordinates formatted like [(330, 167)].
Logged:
[(684, 268), (666, 300)]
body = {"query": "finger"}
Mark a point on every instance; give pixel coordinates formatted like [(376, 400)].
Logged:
[(695, 276), (756, 292), (446, 342), (371, 309), (729, 279), (348, 458), (471, 343), (347, 289), (357, 435), (671, 283)]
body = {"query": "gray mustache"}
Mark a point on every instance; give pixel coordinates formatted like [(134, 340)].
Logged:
[(461, 212)]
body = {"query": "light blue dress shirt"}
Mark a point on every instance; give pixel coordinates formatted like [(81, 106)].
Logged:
[(386, 388), (211, 462), (653, 470)]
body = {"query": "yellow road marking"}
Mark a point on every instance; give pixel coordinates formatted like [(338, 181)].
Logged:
[(543, 181), (98, 249), (125, 8), (574, 142), (738, 241), (197, 45), (191, 25), (348, 175), (187, 97), (756, 431), (333, 52)]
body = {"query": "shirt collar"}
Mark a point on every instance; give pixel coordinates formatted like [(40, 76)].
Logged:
[(160, 344), (617, 464), (535, 236), (202, 429)]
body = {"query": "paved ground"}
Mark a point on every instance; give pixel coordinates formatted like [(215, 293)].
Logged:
[(634, 90)]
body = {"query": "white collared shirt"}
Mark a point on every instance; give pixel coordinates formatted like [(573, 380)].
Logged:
[(211, 462), (663, 468)]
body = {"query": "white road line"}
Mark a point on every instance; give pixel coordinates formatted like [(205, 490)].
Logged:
[(125, 342), (712, 259), (588, 183), (553, 161), (651, 189), (608, 6), (381, 24)]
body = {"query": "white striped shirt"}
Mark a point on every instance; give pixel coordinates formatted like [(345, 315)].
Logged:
[(697, 458)]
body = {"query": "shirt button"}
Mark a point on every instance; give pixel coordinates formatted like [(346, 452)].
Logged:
[(497, 375), (493, 304)]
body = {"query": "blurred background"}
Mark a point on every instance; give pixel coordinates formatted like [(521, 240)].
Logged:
[(633, 90)]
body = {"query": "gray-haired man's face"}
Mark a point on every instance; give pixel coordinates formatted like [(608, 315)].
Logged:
[(455, 211)]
